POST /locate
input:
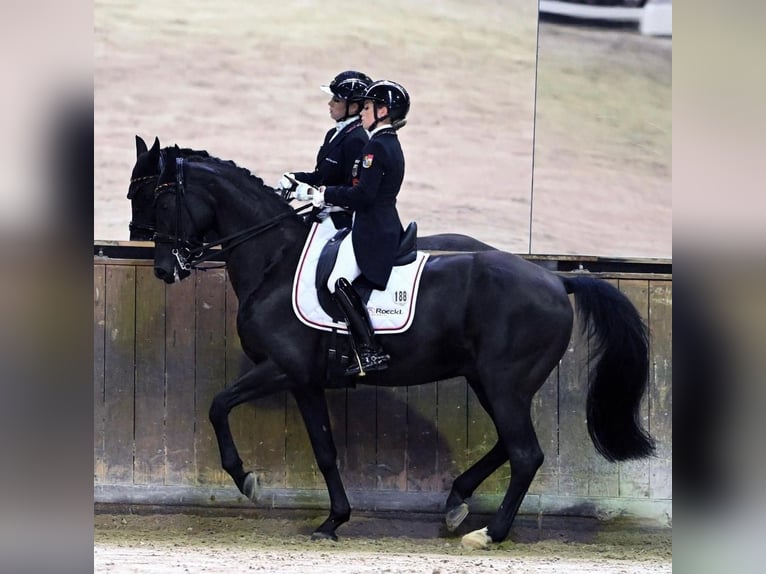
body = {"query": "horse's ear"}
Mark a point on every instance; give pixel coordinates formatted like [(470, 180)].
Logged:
[(140, 146), (153, 155)]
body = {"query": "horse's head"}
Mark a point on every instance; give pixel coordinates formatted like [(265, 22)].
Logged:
[(182, 216), (196, 196), (143, 180)]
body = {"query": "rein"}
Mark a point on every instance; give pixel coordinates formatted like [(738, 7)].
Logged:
[(190, 256)]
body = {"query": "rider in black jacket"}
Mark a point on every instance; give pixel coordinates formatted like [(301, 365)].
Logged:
[(342, 144), (376, 228)]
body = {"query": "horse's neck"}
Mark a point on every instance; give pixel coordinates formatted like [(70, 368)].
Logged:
[(266, 261), (262, 263)]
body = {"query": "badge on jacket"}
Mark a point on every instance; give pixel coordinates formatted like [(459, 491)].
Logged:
[(367, 161)]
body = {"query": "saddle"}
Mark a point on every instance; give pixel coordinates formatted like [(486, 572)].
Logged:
[(391, 310), (405, 254)]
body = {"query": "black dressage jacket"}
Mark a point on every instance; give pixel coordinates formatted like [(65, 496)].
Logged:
[(335, 158), (376, 229)]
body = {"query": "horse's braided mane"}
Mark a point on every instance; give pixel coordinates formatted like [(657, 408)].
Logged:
[(227, 163), (227, 169), (187, 151)]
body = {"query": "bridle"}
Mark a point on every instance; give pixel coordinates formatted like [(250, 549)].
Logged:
[(190, 253), (141, 182)]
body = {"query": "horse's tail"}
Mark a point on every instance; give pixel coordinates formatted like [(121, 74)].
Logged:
[(619, 360)]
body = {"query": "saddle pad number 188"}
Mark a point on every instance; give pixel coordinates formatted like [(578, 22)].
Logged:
[(391, 311)]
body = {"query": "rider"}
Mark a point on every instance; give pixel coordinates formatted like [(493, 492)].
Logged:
[(342, 144), (376, 229)]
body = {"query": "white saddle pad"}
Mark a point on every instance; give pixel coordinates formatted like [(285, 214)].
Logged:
[(391, 311)]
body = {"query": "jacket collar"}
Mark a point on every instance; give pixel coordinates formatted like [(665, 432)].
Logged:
[(380, 129), (343, 124)]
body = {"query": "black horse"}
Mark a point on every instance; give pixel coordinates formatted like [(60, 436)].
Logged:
[(494, 318), (146, 172)]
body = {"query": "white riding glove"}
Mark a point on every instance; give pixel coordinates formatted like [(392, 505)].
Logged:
[(304, 192), (285, 184), (318, 199)]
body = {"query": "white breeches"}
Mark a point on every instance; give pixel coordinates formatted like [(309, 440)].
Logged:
[(345, 265)]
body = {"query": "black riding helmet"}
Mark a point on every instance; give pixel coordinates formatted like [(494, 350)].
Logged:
[(348, 86), (393, 96)]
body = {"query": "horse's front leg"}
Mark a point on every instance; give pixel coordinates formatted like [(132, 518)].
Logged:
[(262, 380), (313, 407)]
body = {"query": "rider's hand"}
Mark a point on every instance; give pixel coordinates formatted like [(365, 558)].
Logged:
[(304, 192), (285, 182), (318, 198)]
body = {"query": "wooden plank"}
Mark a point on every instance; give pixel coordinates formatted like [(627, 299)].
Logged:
[(391, 467), (377, 501), (661, 396), (634, 475), (452, 427), (422, 439), (359, 465), (119, 360), (210, 374), (575, 446), (149, 465), (545, 417), (179, 383), (99, 406)]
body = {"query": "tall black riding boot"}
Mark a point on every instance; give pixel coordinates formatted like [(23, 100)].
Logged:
[(369, 355)]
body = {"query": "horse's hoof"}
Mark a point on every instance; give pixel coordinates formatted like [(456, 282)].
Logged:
[(251, 486), (476, 539), (456, 516), (324, 536)]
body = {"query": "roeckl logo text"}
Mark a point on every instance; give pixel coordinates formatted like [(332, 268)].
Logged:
[(379, 311)]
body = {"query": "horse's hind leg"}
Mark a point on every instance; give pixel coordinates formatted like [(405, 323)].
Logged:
[(516, 431), (465, 484)]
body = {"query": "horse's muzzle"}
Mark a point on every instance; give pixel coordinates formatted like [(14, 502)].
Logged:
[(168, 276)]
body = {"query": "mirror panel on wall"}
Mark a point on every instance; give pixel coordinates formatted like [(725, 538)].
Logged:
[(602, 161)]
